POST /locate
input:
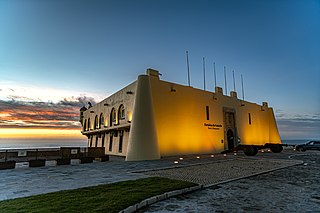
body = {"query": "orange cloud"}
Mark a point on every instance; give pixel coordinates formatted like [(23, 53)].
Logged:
[(23, 119), (43, 115)]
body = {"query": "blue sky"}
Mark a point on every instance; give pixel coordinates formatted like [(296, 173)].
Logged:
[(73, 49)]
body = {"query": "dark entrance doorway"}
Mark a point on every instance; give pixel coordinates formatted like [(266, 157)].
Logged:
[(230, 139)]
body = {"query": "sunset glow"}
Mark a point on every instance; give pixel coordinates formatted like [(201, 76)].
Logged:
[(56, 56), (41, 133), (33, 112)]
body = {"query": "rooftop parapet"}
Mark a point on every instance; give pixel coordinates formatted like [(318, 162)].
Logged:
[(219, 90), (233, 94), (153, 73)]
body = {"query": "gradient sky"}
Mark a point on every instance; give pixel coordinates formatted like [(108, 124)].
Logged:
[(56, 55)]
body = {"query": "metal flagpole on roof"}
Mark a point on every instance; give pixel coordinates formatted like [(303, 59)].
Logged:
[(204, 73), (225, 80), (242, 88), (215, 75), (188, 68), (234, 83)]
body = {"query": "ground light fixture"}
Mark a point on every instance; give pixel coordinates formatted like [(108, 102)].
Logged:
[(212, 156), (180, 158), (175, 162), (198, 157)]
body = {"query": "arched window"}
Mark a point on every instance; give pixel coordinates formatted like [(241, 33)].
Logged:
[(112, 116), (101, 121), (121, 113), (85, 125), (96, 123), (89, 125)]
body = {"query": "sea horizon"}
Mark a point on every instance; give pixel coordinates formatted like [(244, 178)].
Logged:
[(30, 143), (18, 143)]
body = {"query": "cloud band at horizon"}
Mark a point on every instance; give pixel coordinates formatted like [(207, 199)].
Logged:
[(24, 117)]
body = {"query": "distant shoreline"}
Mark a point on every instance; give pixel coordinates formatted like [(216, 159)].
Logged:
[(40, 143)]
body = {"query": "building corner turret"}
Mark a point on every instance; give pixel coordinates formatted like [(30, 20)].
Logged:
[(143, 141), (274, 136)]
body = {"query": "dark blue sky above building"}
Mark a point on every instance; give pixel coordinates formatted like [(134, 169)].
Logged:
[(95, 47)]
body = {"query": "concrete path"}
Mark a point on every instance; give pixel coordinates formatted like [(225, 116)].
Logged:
[(24, 181)]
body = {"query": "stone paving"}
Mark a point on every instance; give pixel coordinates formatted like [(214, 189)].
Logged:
[(212, 173), (292, 189)]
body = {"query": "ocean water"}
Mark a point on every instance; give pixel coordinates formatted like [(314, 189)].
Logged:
[(56, 143), (40, 143)]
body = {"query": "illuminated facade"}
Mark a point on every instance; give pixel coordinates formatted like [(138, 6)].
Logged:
[(151, 118)]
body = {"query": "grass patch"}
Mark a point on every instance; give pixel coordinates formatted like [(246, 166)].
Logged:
[(103, 198)]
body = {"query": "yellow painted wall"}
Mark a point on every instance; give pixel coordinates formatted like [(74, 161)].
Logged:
[(179, 120), (274, 136), (180, 115)]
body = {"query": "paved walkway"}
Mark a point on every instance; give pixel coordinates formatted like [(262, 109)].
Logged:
[(24, 181), (292, 189), (217, 172)]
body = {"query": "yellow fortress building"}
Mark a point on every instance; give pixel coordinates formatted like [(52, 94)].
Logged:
[(151, 118)]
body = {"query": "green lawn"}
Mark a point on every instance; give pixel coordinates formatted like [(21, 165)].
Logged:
[(103, 198)]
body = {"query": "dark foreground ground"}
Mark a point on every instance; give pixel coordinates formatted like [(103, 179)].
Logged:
[(286, 185), (292, 189)]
